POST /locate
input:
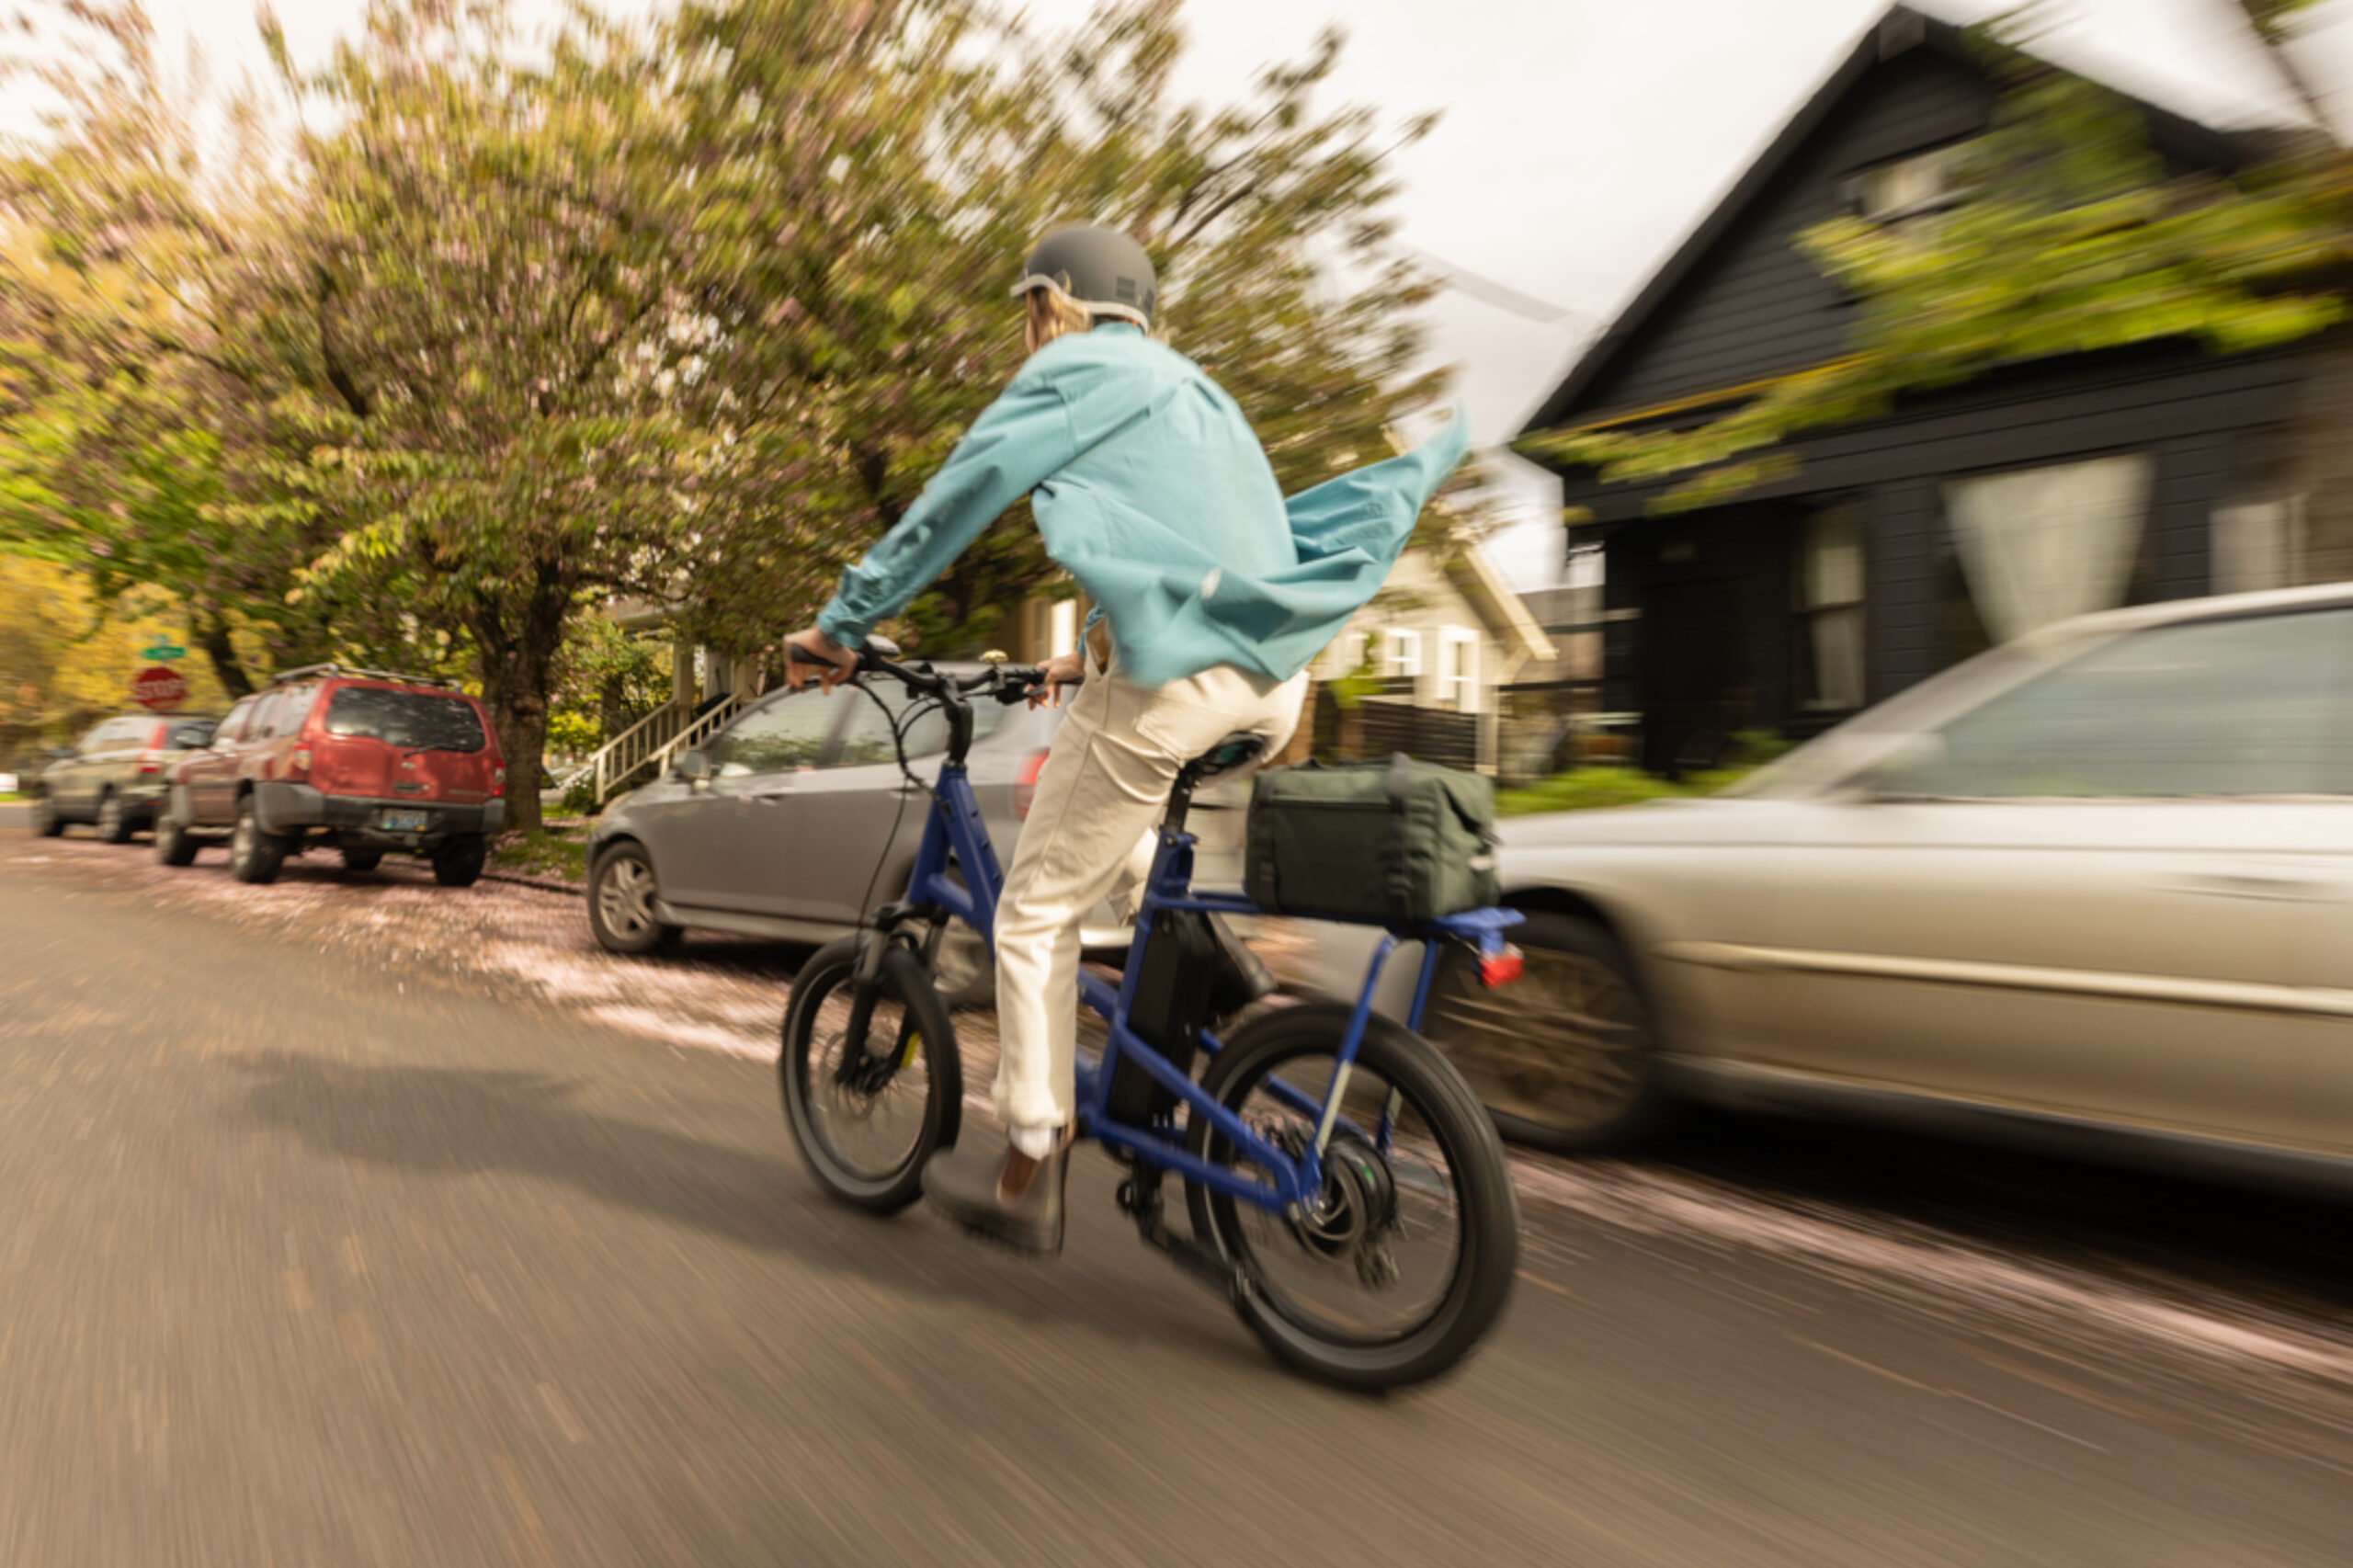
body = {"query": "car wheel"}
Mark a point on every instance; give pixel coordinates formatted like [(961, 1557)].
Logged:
[(362, 860), (175, 845), (114, 822), (1565, 1059), (458, 862), (621, 903), (254, 856), (47, 823)]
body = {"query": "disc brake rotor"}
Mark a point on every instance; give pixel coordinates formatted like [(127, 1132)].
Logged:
[(1352, 1219)]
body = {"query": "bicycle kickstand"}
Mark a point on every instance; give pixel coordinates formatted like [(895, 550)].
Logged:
[(1140, 1198)]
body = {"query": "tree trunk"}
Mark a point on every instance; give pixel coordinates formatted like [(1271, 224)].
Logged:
[(517, 650), (212, 636)]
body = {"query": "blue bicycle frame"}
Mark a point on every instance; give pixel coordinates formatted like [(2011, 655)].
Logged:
[(955, 829)]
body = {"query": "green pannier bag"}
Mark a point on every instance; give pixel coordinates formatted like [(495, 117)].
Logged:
[(1386, 843)]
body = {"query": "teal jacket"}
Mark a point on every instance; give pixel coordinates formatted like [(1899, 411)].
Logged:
[(1152, 491)]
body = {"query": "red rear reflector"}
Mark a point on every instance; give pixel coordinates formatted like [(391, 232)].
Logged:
[(1503, 968), (1024, 789)]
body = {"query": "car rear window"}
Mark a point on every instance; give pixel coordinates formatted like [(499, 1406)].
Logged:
[(405, 718), (293, 707), (189, 734)]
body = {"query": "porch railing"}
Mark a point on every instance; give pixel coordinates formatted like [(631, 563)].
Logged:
[(648, 745)]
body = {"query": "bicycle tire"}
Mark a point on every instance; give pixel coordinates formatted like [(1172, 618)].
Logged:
[(905, 981), (1488, 1230)]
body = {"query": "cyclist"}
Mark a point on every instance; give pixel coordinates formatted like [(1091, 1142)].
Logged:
[(1212, 596)]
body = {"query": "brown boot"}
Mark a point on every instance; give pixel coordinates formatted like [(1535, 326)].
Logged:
[(1006, 1196)]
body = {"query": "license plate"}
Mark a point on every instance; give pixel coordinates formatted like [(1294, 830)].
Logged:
[(404, 821)]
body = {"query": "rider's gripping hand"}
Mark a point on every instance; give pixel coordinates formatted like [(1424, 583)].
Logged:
[(1061, 670), (804, 649)]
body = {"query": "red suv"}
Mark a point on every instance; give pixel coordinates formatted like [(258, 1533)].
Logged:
[(354, 760)]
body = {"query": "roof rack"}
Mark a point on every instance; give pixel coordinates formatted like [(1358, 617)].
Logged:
[(307, 671)]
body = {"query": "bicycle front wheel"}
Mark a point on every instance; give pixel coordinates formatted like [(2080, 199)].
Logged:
[(1405, 1259), (868, 1111)]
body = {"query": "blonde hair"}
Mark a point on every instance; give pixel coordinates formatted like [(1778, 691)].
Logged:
[(1053, 313)]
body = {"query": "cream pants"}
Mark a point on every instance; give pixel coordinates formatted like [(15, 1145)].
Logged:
[(1090, 836)]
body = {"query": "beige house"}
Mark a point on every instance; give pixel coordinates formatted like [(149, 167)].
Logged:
[(1447, 635)]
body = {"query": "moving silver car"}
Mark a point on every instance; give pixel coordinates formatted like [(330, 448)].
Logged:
[(794, 821), (2094, 886)]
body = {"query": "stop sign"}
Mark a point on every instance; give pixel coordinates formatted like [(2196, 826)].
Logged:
[(158, 689)]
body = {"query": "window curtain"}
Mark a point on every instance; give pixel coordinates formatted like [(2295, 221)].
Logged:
[(2047, 543)]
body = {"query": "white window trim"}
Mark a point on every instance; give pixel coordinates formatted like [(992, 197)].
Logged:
[(1402, 654), (1461, 692)]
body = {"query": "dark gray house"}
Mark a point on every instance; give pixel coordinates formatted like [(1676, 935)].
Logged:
[(1964, 516)]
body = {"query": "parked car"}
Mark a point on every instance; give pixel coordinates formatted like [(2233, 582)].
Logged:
[(113, 776), (2094, 886), (806, 824), (357, 761)]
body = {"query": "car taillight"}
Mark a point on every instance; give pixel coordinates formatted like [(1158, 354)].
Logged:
[(1503, 968), (1024, 789), (299, 759), (150, 763), (498, 779)]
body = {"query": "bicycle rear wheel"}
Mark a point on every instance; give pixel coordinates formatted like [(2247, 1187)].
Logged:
[(867, 1128), (1407, 1257)]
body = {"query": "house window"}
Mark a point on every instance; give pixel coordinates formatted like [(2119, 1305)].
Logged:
[(1912, 190), (1349, 653), (1457, 670), (1830, 602), (2039, 545), (2259, 544), (1404, 661)]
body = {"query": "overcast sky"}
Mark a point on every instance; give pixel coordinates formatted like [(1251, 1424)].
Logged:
[(1581, 138)]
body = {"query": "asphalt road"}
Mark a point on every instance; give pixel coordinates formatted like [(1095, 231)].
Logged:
[(315, 1261)]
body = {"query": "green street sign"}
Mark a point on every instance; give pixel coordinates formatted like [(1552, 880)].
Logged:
[(163, 651)]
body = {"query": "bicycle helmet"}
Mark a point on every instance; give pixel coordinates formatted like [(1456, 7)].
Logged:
[(1104, 270)]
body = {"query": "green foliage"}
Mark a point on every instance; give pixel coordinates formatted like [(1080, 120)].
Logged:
[(2072, 240), (687, 313), (865, 207), (1600, 785), (556, 853), (492, 258), (605, 680), (126, 404)]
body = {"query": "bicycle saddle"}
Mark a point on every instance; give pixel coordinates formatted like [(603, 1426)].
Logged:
[(1229, 754)]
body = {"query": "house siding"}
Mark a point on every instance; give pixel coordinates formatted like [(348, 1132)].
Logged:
[(2202, 421), (1756, 306), (1704, 634)]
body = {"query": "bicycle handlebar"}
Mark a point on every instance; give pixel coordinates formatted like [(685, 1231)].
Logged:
[(1008, 683)]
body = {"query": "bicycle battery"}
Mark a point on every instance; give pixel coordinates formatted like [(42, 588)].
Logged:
[(1171, 1009), (1196, 973)]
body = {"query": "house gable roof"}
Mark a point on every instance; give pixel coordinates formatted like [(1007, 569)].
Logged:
[(1899, 30)]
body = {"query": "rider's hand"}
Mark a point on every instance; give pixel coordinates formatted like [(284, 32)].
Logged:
[(813, 647), (1061, 670)]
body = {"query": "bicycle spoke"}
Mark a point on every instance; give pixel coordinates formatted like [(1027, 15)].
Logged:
[(872, 1118), (1374, 1258)]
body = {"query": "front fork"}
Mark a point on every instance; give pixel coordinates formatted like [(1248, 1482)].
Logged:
[(861, 1068)]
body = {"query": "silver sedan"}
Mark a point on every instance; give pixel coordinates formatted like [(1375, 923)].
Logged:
[(806, 824), (2094, 887)]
